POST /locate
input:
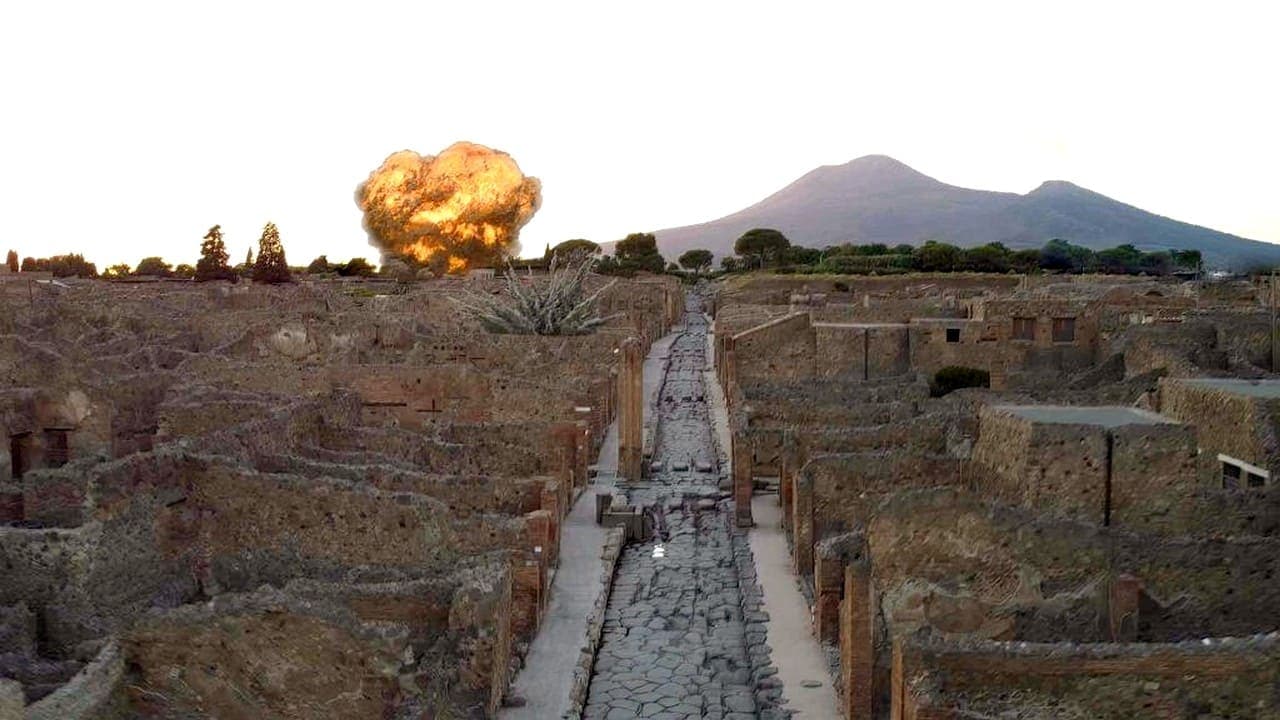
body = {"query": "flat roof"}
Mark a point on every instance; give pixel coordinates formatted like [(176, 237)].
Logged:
[(1266, 389), (1104, 415)]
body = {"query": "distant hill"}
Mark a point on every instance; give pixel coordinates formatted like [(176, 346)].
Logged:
[(876, 199)]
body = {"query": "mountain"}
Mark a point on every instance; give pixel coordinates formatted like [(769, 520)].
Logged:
[(876, 199)]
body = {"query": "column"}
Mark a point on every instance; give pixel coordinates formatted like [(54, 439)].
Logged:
[(631, 411)]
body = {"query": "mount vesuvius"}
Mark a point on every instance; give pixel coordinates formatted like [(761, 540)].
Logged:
[(876, 199)]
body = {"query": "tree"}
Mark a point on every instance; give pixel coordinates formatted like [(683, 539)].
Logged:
[(72, 265), (608, 265), (1119, 260), (184, 271), (796, 255), (991, 258), (697, 260), (319, 266), (572, 248), (153, 267), (12, 261), (763, 244), (639, 251), (213, 262), (356, 267), (935, 256), (730, 264), (1061, 255), (118, 270), (270, 266), (1185, 259), (1025, 261)]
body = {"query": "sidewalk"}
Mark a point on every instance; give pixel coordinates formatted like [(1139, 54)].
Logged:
[(796, 652), (546, 679)]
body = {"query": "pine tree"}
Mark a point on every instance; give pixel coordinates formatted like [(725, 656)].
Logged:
[(12, 261), (212, 264), (270, 266), (248, 258)]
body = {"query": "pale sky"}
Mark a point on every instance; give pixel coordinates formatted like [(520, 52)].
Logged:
[(128, 128)]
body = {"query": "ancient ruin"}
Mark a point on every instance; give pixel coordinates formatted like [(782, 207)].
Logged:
[(758, 497)]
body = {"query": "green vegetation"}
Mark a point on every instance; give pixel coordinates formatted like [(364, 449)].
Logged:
[(355, 267), (635, 252), (73, 265), (12, 261), (214, 260), (696, 261), (270, 267), (955, 377), (153, 267), (557, 304), (572, 248), (761, 247), (118, 270)]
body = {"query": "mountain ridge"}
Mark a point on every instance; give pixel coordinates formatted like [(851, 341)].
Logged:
[(879, 199)]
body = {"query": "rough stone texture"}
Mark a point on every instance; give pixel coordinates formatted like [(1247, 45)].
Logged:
[(683, 635), (347, 471), (1221, 678), (1017, 546)]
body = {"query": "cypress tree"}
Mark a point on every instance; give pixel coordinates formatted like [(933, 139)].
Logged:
[(270, 266), (12, 261), (212, 264)]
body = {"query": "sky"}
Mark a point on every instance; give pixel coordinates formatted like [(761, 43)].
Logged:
[(128, 128)]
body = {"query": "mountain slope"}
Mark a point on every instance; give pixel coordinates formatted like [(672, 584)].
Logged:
[(876, 199)]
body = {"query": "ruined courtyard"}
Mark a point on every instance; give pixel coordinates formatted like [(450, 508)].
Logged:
[(747, 498)]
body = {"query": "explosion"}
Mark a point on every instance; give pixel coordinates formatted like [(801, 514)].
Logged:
[(462, 208)]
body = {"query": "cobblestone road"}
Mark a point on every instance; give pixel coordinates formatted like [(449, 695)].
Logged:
[(684, 636)]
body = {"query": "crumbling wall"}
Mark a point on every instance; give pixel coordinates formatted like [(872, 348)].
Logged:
[(782, 348), (1226, 422), (1224, 677)]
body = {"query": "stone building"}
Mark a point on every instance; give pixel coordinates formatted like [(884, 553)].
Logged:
[(1042, 547), (325, 499)]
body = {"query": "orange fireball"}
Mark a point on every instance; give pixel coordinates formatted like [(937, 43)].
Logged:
[(460, 209)]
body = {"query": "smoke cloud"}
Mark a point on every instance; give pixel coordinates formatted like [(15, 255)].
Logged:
[(460, 209)]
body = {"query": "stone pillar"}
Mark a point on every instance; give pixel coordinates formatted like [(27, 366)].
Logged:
[(897, 687), (742, 480), (802, 522), (828, 586), (857, 642), (631, 411), (1125, 596)]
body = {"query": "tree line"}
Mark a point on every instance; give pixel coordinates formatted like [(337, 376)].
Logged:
[(269, 266), (765, 247), (637, 252)]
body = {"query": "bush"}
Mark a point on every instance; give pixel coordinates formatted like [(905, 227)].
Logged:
[(955, 377)]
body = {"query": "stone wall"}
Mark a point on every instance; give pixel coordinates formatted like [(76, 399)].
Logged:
[(944, 562), (1138, 475), (286, 656), (1226, 422), (782, 348), (861, 351), (1224, 677)]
